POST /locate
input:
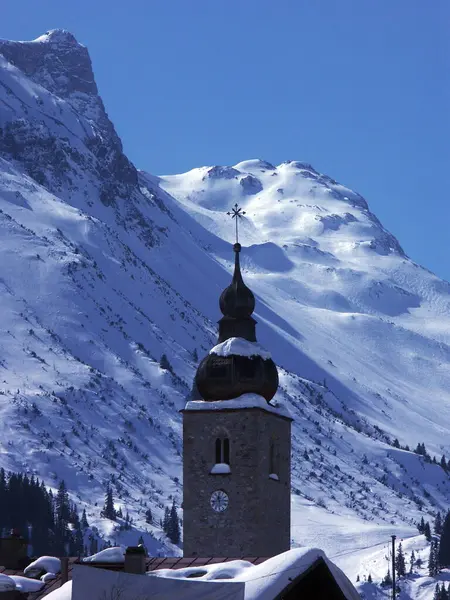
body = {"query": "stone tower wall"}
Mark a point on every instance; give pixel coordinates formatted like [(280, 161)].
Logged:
[(257, 520)]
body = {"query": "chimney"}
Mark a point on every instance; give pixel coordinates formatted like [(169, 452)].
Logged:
[(64, 570), (135, 560), (13, 551)]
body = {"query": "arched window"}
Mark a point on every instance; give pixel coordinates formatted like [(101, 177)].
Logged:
[(273, 461), (218, 450), (223, 451), (226, 451)]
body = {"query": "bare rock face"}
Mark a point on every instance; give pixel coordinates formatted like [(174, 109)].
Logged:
[(250, 185), (55, 60), (45, 146)]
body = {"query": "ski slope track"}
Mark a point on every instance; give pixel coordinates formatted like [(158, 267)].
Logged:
[(105, 268)]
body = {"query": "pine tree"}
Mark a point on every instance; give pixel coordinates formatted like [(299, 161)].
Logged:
[(84, 521), (444, 544), (108, 510), (166, 520), (438, 523), (412, 561), (427, 531), (433, 561), (400, 566), (387, 581), (62, 505), (93, 545), (443, 593), (119, 513), (43, 532), (62, 519), (165, 364), (443, 463), (148, 516), (173, 529), (421, 525), (437, 592), (76, 542), (3, 500), (369, 579)]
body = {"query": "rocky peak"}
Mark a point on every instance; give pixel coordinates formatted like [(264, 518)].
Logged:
[(54, 60), (59, 37), (33, 137)]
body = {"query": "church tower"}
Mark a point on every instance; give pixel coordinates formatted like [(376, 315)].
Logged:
[(236, 444)]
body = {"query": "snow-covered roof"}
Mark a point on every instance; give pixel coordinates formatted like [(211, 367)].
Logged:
[(231, 579), (26, 584), (240, 347), (266, 580), (18, 583), (6, 583), (244, 401), (116, 554), (50, 564)]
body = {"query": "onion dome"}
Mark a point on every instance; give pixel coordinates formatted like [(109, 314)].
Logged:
[(237, 300), (237, 365)]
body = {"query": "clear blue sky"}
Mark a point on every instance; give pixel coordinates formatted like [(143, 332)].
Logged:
[(359, 88)]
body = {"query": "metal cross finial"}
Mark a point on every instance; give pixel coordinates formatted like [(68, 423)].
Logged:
[(236, 212)]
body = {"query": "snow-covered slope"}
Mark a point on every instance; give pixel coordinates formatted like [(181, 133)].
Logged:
[(350, 305), (105, 268)]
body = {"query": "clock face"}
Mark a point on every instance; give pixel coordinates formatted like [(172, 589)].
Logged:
[(219, 501)]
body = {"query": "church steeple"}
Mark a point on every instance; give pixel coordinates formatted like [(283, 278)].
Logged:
[(237, 300), (237, 303), (236, 444), (237, 365)]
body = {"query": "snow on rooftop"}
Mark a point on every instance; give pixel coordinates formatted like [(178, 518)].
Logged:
[(27, 585), (109, 555), (266, 580), (244, 401), (240, 347), (6, 583), (51, 564)]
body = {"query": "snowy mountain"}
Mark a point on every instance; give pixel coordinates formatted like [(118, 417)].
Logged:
[(105, 268)]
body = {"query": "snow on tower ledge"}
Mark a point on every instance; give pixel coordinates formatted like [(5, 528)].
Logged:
[(240, 347), (244, 401)]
